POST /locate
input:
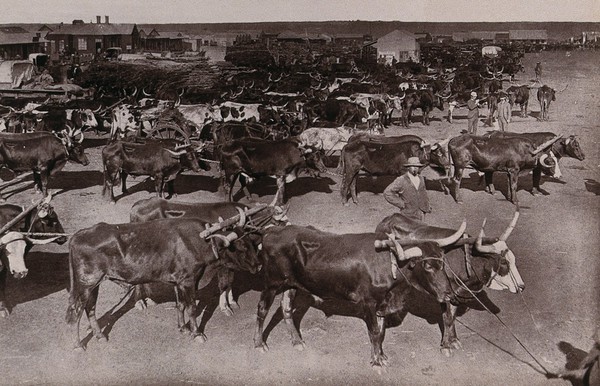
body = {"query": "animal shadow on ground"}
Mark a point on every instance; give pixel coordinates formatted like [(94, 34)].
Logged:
[(76, 180), (475, 183), (574, 357), (418, 304), (48, 274), (592, 186), (89, 143), (373, 184), (267, 186)]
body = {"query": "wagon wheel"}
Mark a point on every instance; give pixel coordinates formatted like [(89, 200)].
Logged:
[(169, 130)]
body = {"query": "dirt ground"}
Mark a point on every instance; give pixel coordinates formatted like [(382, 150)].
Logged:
[(556, 242)]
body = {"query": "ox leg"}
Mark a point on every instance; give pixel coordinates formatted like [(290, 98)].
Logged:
[(159, 184), (280, 195), (189, 299), (90, 310), (376, 328), (449, 338), (225, 278), (489, 182), (37, 182), (513, 178), (3, 309), (287, 301), (171, 189), (455, 182), (124, 182), (537, 177), (264, 304), (353, 189)]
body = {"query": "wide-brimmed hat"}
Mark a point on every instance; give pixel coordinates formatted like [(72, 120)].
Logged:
[(473, 93), (413, 161)]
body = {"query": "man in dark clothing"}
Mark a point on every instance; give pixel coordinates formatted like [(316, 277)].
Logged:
[(538, 72), (408, 193)]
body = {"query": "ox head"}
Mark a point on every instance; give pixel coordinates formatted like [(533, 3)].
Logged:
[(570, 147), (237, 250), (504, 278), (14, 246), (124, 122), (438, 155), (72, 139), (187, 157), (313, 158)]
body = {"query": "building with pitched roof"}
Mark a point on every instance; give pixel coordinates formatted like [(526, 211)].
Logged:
[(399, 45), (89, 39), (532, 36), (18, 43)]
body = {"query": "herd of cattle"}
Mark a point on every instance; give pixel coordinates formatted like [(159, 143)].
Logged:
[(299, 122)]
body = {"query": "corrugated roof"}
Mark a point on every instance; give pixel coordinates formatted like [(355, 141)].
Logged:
[(397, 34), (17, 38), (93, 29), (169, 35), (528, 34)]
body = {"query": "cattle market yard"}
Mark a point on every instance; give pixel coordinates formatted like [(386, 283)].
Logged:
[(555, 242)]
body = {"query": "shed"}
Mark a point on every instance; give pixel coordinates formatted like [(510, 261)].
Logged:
[(399, 45)]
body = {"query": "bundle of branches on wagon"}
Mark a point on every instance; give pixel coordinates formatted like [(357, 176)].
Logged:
[(162, 81)]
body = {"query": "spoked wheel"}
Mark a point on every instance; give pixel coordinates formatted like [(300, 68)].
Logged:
[(167, 130)]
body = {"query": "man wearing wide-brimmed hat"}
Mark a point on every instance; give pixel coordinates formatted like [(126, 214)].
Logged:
[(473, 113), (408, 193), (504, 111)]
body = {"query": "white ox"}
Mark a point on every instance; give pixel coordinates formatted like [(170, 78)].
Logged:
[(329, 139), (239, 112), (201, 114)]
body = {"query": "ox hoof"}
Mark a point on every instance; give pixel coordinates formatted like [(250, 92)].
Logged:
[(262, 348), (4, 313), (227, 311), (536, 193), (101, 338), (200, 338), (299, 346), (150, 302), (456, 345), (79, 348), (140, 305), (446, 351)]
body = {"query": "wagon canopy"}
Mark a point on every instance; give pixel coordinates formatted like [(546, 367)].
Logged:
[(14, 72), (490, 51)]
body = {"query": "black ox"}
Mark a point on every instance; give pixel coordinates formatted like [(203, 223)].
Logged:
[(161, 160), (425, 100), (168, 251), (385, 156), (510, 155), (42, 153), (253, 158), (355, 268), (472, 264)]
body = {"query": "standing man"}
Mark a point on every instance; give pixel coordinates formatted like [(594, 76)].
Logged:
[(473, 114), (538, 72), (504, 111), (408, 193)]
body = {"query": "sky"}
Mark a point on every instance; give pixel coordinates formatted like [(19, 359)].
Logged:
[(217, 11)]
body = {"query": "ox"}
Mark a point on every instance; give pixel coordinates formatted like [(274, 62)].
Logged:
[(40, 219), (343, 110), (329, 139), (563, 147), (158, 208), (545, 95), (146, 159), (200, 114), (167, 251), (352, 268), (124, 122), (519, 95), (425, 100), (239, 112), (386, 156), (257, 158), (42, 153), (471, 263), (510, 155)]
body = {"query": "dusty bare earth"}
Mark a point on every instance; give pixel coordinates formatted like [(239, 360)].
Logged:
[(556, 242)]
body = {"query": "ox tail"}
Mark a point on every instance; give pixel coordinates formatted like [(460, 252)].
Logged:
[(74, 307)]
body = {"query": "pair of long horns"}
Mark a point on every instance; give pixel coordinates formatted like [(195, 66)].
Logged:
[(491, 248), (441, 242)]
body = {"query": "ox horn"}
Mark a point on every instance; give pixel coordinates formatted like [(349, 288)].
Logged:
[(510, 227), (543, 161), (180, 94), (145, 93), (454, 237), (135, 90), (176, 153), (242, 221), (479, 242), (41, 241), (78, 133), (546, 144), (97, 110), (395, 245)]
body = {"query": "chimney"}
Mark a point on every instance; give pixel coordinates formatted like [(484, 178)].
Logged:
[(106, 19), (98, 19)]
